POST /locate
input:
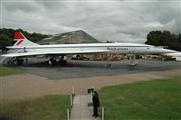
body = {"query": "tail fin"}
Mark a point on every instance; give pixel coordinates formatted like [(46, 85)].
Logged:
[(22, 40)]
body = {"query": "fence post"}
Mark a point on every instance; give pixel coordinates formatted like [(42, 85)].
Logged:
[(68, 114), (102, 113), (71, 100), (73, 91)]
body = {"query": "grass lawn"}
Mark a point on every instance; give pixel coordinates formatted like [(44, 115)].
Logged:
[(45, 108), (148, 100), (9, 71)]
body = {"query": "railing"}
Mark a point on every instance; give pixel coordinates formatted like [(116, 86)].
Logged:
[(102, 116), (72, 96), (68, 114)]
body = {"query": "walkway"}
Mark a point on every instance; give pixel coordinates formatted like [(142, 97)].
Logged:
[(81, 110)]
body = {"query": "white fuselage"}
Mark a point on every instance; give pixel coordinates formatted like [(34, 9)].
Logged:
[(125, 48)]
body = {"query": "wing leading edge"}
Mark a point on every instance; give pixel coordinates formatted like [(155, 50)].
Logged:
[(52, 52)]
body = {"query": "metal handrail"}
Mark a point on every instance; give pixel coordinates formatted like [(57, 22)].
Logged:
[(68, 114), (102, 117)]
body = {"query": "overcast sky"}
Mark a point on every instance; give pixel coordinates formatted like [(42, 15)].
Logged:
[(120, 20)]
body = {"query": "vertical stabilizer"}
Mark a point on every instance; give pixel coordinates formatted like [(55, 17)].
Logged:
[(22, 40)]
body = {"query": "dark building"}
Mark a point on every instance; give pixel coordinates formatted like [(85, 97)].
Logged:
[(73, 37)]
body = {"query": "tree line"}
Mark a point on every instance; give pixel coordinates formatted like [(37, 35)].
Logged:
[(7, 36), (164, 38)]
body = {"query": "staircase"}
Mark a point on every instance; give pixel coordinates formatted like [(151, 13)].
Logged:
[(9, 60)]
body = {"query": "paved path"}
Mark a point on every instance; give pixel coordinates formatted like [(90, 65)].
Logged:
[(81, 110)]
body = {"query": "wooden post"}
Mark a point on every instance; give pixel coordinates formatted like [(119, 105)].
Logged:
[(73, 91), (71, 100)]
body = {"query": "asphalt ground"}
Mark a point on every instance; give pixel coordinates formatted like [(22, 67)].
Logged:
[(79, 69)]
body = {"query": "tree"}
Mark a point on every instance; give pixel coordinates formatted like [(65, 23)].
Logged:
[(7, 35), (164, 38), (4, 41)]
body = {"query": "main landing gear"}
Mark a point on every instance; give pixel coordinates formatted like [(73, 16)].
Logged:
[(57, 61)]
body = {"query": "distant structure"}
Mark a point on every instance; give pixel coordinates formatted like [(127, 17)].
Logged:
[(73, 37)]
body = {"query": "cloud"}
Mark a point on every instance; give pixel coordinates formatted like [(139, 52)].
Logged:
[(155, 24), (116, 20)]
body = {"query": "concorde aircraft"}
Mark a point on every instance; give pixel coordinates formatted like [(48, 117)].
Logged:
[(23, 47)]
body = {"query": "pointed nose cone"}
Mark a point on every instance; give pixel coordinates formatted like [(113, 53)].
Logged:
[(167, 51), (163, 51)]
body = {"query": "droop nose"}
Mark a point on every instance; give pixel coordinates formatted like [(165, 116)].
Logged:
[(168, 51)]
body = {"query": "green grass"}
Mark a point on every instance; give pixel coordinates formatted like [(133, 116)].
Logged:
[(45, 108), (149, 100), (9, 71)]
